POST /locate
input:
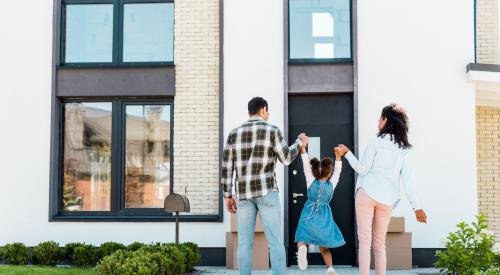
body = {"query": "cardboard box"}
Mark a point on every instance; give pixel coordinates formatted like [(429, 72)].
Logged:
[(260, 251), (234, 224), (396, 225), (398, 251)]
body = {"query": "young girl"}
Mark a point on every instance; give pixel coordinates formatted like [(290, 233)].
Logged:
[(316, 224)]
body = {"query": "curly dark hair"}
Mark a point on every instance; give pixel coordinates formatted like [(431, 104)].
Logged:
[(396, 125)]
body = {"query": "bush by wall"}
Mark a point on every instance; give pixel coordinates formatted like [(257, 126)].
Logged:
[(109, 248), (47, 253), (168, 259), (17, 254), (469, 250)]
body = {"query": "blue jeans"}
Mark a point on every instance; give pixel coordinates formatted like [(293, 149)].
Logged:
[(269, 209)]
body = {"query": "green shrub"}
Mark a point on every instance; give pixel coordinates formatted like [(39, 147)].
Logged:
[(157, 258), (468, 250), (128, 263), (491, 271), (47, 253), (69, 250), (17, 254), (85, 255), (2, 254), (108, 248), (192, 255), (135, 246)]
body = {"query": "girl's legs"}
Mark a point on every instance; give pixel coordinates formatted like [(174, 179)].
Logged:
[(380, 225), (365, 208), (302, 255), (299, 244), (327, 256)]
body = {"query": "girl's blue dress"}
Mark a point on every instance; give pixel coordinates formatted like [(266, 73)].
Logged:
[(316, 224)]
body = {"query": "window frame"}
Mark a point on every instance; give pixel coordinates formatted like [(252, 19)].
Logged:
[(117, 40), (118, 212), (301, 61)]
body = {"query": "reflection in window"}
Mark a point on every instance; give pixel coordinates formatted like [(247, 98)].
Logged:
[(320, 29), (89, 33), (87, 157), (147, 168), (148, 32)]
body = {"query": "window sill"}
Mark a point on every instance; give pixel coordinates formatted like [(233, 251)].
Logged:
[(313, 61), (143, 218), (115, 66), (483, 72)]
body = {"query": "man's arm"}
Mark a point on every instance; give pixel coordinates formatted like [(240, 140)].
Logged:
[(227, 167), (286, 154)]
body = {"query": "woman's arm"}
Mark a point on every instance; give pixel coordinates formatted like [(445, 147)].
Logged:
[(363, 166), (408, 184), (306, 166)]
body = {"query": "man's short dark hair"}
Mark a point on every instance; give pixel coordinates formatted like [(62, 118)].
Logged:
[(255, 104)]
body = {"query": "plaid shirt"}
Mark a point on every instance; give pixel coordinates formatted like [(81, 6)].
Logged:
[(251, 150)]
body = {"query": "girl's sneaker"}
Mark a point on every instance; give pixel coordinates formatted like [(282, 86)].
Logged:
[(302, 257), (331, 271)]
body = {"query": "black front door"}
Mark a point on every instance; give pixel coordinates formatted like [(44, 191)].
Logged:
[(328, 121)]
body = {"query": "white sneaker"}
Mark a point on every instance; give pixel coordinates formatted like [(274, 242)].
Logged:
[(331, 271), (302, 257)]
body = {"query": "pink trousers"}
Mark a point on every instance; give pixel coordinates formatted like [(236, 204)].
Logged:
[(371, 217)]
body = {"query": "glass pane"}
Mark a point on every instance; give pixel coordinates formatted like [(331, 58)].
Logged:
[(148, 32), (314, 147), (87, 157), (147, 168), (89, 33), (320, 29)]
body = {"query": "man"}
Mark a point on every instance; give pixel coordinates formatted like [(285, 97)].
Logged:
[(251, 151)]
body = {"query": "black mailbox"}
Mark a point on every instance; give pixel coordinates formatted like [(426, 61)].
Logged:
[(175, 203)]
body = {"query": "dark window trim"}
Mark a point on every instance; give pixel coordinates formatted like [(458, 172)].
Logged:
[(117, 211), (117, 43), (322, 60)]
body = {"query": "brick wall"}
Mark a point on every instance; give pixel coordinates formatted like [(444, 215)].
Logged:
[(196, 105), (488, 155), (487, 32)]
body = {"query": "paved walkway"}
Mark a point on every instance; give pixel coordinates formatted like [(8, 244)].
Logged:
[(316, 270)]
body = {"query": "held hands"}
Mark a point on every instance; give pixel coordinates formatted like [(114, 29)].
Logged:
[(340, 151), (421, 216), (343, 149), (305, 140)]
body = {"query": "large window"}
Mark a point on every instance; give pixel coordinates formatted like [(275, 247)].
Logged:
[(319, 30), (116, 157), (116, 33)]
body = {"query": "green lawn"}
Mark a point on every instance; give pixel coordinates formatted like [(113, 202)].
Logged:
[(15, 270)]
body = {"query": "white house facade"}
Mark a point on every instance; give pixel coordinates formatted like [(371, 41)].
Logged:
[(126, 101)]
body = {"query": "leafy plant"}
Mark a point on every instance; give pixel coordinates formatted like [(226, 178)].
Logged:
[(128, 262), (69, 250), (17, 254), (491, 271), (47, 253), (108, 248), (135, 246), (192, 255), (2, 254), (85, 255), (468, 250)]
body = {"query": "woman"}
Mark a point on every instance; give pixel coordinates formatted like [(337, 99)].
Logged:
[(382, 169)]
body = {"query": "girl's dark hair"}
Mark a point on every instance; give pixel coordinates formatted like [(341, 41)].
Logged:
[(322, 169), (396, 125), (255, 104)]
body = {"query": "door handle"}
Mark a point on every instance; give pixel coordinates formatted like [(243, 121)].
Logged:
[(296, 195)]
